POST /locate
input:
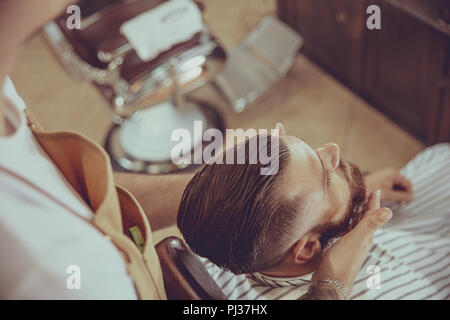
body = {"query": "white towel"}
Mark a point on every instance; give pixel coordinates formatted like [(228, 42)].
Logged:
[(160, 28)]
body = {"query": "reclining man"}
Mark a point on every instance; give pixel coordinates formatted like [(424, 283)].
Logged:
[(272, 231)]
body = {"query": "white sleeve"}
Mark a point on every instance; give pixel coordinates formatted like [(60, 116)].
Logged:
[(22, 277), (27, 273), (11, 94), (39, 241)]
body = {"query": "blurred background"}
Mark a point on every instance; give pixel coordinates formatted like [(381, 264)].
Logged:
[(381, 95)]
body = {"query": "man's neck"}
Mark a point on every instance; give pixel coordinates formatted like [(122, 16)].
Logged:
[(292, 270)]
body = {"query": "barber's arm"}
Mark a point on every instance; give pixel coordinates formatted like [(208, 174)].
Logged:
[(341, 263), (159, 196)]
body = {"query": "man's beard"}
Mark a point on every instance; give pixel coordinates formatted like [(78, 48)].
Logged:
[(356, 207)]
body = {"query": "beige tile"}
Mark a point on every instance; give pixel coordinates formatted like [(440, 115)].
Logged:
[(375, 142), (231, 20), (58, 101), (317, 108), (76, 108), (37, 71), (299, 102)]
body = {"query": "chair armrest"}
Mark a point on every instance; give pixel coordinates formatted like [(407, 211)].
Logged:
[(185, 277)]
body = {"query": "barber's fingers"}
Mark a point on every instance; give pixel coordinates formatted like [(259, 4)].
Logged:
[(373, 220), (374, 200), (404, 182), (399, 196), (362, 234)]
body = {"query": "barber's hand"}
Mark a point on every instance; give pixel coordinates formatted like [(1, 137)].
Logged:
[(393, 186), (344, 259)]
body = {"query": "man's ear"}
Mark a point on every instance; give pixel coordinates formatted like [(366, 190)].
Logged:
[(307, 248)]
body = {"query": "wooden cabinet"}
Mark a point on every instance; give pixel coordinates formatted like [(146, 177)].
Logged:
[(443, 129), (401, 69), (334, 34)]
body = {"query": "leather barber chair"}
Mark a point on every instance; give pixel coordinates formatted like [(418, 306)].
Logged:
[(255, 65), (144, 56), (185, 277)]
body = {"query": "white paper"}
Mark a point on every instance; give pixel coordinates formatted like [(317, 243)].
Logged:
[(160, 28)]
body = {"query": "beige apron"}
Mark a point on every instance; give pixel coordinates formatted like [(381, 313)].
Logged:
[(87, 167)]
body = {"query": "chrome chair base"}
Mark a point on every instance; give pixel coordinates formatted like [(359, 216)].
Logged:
[(141, 157)]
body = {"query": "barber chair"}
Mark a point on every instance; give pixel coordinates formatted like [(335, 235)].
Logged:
[(148, 95), (262, 59), (185, 277)]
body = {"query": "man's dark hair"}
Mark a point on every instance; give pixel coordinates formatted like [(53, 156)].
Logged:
[(236, 217)]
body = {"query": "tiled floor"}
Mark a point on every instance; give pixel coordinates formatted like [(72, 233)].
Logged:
[(312, 104)]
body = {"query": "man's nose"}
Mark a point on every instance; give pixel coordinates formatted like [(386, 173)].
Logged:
[(330, 155)]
